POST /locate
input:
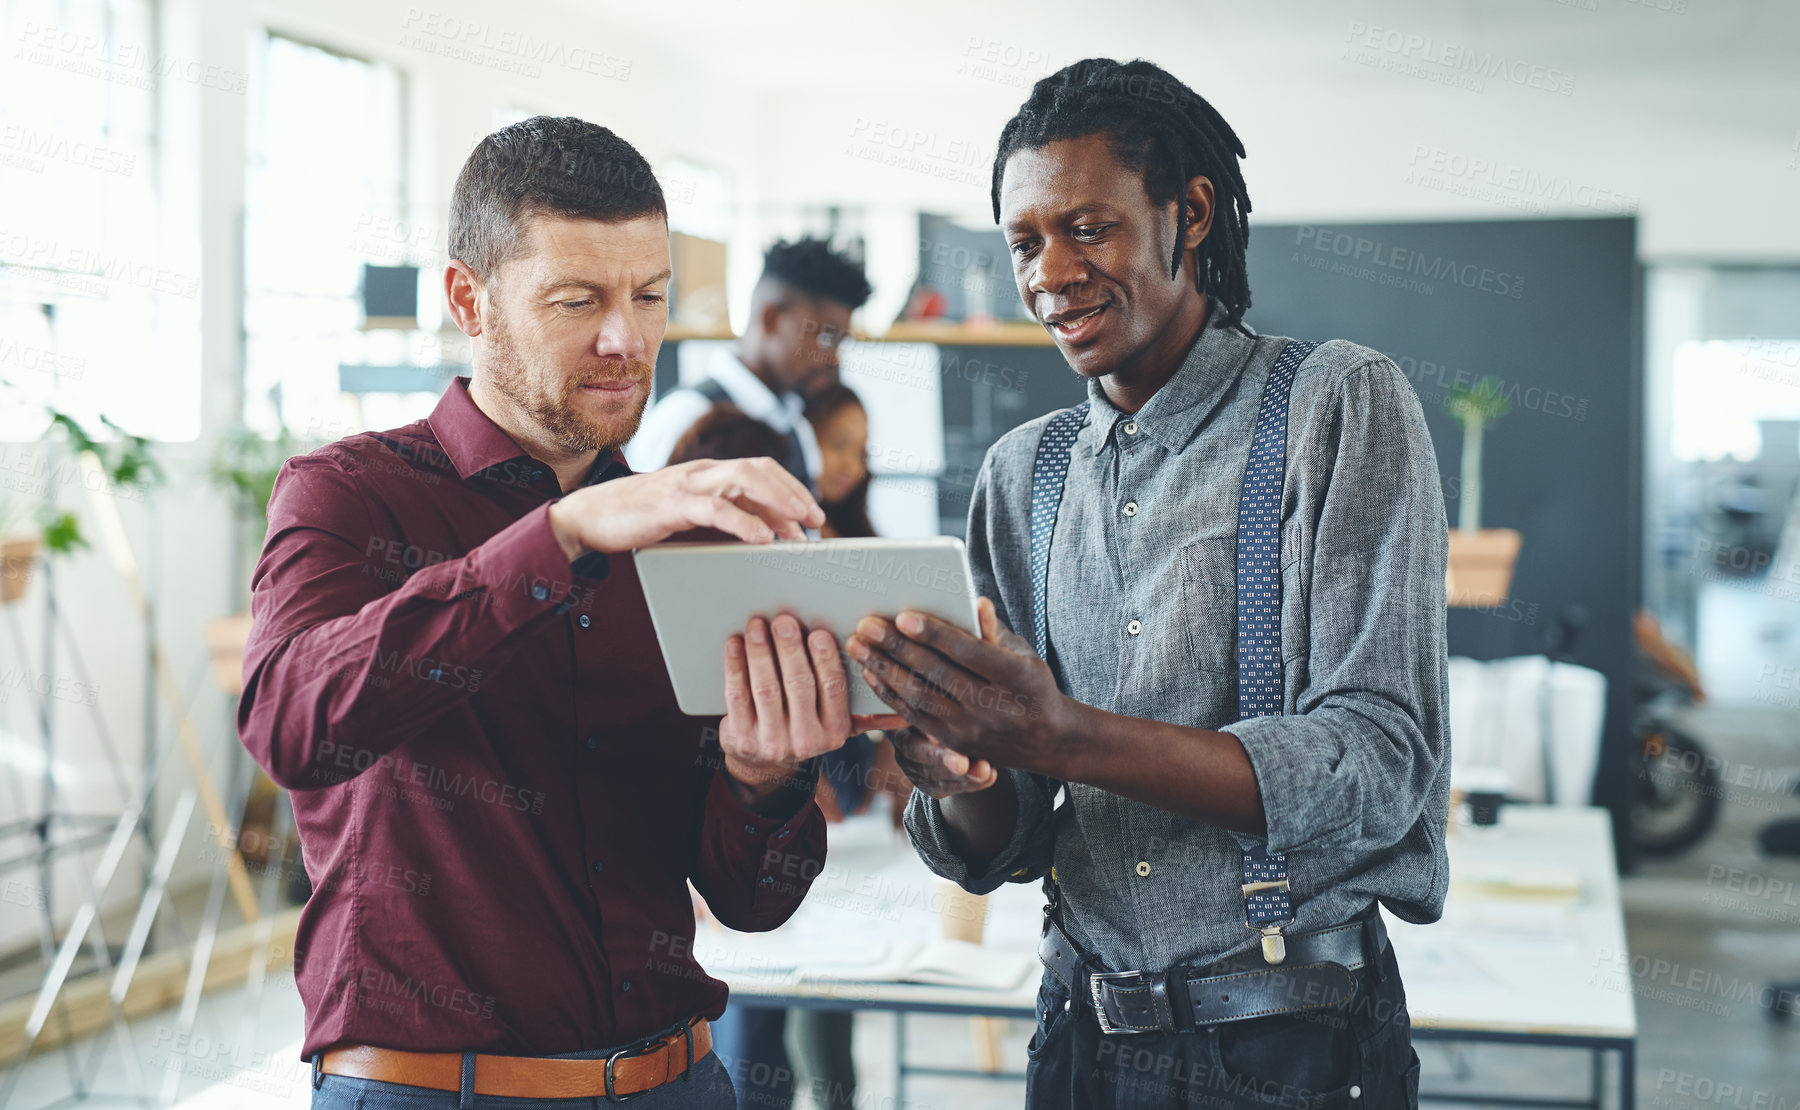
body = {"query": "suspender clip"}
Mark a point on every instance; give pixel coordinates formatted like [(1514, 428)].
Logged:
[(1274, 945)]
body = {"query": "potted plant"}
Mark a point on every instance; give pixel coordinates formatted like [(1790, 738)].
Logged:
[(1481, 559), (27, 529)]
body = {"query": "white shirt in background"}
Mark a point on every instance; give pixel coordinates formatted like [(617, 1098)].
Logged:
[(672, 416)]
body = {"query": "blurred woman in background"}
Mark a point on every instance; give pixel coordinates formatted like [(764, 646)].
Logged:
[(842, 427)]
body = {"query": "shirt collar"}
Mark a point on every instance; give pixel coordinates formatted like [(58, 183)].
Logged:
[(1175, 412), (474, 443)]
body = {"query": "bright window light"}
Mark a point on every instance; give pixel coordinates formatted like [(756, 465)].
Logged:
[(1723, 388), (324, 196), (79, 228)]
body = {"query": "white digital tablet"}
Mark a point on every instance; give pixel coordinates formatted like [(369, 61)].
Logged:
[(701, 593)]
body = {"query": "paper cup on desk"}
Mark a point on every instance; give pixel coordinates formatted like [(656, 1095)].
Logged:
[(964, 915)]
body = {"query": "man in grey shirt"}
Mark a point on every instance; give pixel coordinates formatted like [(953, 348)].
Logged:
[(1119, 193)]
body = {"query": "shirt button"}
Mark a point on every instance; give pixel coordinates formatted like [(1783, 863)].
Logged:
[(540, 592), (583, 620), (624, 985), (1131, 427), (1143, 869), (1355, 1092), (592, 742), (599, 867), (1134, 628), (767, 880), (751, 829), (1131, 508), (537, 475)]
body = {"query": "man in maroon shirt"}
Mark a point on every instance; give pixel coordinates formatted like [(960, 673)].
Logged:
[(453, 670)]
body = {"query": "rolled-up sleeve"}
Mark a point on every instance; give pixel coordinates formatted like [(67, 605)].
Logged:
[(1025, 858), (1028, 852), (1353, 761)]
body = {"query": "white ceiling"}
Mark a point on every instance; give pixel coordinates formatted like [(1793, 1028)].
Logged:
[(820, 43), (1695, 111)]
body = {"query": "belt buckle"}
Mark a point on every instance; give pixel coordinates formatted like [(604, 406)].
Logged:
[(627, 1053), (1095, 978)]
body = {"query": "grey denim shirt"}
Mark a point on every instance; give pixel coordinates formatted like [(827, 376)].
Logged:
[(1355, 774)]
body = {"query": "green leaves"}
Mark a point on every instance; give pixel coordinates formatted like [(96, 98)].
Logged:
[(128, 461), (246, 463), (1478, 404), (62, 533)]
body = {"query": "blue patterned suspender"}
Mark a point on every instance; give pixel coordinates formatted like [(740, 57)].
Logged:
[(1267, 907), (1048, 474)]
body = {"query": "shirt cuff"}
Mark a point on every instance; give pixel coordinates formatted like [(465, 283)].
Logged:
[(1306, 796), (1022, 860), (785, 854)]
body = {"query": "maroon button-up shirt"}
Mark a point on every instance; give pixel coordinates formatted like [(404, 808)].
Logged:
[(499, 803)]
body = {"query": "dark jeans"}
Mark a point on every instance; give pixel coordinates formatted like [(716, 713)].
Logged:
[(1357, 1055), (749, 1041), (708, 1089)]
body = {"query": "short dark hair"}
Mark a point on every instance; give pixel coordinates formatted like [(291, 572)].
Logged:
[(812, 267), (1160, 128), (545, 165)]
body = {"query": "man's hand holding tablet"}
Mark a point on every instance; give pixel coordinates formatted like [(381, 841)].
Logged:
[(787, 698)]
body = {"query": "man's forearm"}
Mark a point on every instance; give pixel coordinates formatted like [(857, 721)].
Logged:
[(1191, 772), (982, 822)]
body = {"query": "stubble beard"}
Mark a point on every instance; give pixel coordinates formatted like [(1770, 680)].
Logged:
[(534, 390)]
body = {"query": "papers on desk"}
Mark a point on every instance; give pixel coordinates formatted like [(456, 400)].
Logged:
[(1518, 881), (773, 957), (941, 963)]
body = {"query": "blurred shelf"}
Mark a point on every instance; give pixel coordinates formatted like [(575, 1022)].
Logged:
[(1000, 333), (391, 323), (677, 333)]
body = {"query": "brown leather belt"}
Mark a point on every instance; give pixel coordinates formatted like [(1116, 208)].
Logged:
[(629, 1071)]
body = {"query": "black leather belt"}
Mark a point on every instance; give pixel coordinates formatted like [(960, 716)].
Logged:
[(1317, 973)]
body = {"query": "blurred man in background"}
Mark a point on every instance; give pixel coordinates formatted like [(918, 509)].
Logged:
[(799, 314)]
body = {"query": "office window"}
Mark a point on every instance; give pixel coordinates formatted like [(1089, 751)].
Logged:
[(78, 225), (325, 195), (1726, 393), (700, 198)]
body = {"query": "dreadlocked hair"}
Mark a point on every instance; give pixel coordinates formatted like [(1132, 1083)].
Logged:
[(1163, 130)]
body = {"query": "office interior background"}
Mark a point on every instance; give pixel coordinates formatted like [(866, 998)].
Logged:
[(222, 233)]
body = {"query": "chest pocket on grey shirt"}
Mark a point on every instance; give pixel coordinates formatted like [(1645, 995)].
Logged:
[(1209, 605)]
